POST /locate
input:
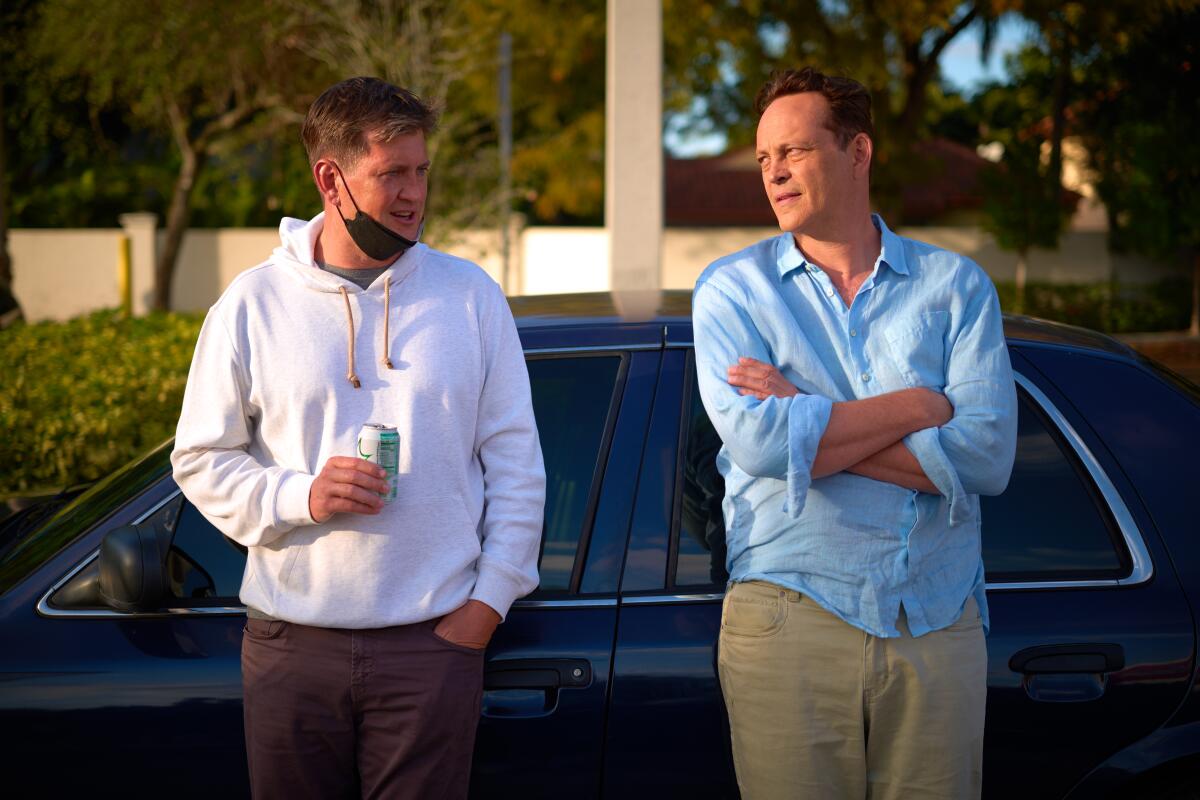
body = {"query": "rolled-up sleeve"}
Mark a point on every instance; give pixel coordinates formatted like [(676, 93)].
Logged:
[(973, 453), (775, 438)]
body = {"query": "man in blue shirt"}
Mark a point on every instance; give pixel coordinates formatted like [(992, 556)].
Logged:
[(861, 386)]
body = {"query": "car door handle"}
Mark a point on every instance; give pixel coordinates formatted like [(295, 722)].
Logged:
[(537, 673), (1060, 659)]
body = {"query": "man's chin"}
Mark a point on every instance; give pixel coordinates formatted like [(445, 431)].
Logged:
[(408, 231), (789, 222)]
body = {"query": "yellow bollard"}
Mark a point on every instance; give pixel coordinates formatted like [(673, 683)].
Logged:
[(125, 276)]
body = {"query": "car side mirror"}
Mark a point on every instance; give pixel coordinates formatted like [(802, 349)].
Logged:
[(133, 567)]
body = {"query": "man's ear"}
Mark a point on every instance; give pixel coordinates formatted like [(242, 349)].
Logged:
[(862, 149), (325, 176)]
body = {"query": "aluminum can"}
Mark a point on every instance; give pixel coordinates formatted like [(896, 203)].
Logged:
[(380, 444)]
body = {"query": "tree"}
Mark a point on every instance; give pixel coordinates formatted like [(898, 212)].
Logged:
[(1139, 115), (1074, 35), (558, 105), (428, 47), (719, 53), (1024, 202), (14, 21), (447, 52), (200, 73)]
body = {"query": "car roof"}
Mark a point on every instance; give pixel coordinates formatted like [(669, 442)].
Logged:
[(665, 316)]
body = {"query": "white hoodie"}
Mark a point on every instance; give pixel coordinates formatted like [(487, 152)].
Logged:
[(268, 401)]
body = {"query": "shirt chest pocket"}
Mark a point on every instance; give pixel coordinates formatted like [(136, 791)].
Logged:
[(918, 349)]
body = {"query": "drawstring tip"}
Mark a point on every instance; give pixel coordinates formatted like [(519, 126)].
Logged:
[(354, 381), (387, 362)]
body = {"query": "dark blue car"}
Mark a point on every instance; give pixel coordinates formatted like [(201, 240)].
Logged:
[(119, 645)]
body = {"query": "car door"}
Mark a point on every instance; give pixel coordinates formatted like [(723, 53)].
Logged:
[(549, 665), (110, 701), (152, 702), (1090, 645), (667, 732), (1091, 640)]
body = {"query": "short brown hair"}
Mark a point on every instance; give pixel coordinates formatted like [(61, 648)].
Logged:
[(849, 100), (339, 121)]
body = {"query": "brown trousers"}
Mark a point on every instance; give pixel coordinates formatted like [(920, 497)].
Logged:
[(379, 713)]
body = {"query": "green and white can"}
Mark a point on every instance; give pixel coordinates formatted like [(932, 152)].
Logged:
[(380, 444)]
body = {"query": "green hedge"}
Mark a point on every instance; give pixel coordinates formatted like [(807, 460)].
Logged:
[(80, 398), (1112, 308)]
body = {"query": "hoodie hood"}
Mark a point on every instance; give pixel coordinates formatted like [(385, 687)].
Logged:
[(298, 241)]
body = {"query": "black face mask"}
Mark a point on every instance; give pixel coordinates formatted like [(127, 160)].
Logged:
[(372, 237)]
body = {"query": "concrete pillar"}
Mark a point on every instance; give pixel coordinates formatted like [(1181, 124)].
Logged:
[(633, 166), (142, 230)]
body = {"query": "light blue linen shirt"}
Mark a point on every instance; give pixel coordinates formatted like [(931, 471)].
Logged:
[(859, 547)]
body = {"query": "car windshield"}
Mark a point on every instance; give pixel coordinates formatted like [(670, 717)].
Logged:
[(23, 547)]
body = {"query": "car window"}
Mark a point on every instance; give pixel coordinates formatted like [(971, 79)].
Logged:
[(203, 564), (572, 397), (204, 567), (572, 401), (21, 555), (1050, 523), (698, 541)]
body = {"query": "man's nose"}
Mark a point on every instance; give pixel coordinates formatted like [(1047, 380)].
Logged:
[(779, 173), (410, 186)]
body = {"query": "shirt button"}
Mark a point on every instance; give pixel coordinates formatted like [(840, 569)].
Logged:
[(829, 292), (866, 377), (853, 332)]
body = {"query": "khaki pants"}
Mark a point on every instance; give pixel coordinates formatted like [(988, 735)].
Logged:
[(821, 709)]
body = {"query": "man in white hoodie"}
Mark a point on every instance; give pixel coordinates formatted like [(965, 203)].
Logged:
[(362, 658)]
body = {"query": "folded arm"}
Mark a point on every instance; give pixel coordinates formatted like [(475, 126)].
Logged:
[(862, 436), (772, 429), (774, 437), (896, 465), (973, 453)]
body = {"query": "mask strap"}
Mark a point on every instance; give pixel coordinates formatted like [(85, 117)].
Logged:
[(349, 193)]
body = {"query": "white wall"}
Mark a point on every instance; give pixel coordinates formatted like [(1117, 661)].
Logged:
[(59, 274), (564, 260), (211, 258), (1082, 257)]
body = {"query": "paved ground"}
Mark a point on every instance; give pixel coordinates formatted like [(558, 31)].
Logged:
[(1178, 351)]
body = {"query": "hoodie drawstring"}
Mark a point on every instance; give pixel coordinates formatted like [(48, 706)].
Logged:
[(387, 313), (350, 376)]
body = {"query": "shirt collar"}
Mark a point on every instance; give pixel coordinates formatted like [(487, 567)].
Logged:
[(788, 256), (891, 251)]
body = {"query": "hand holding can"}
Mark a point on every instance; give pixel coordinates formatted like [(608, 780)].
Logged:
[(380, 444), (346, 485)]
